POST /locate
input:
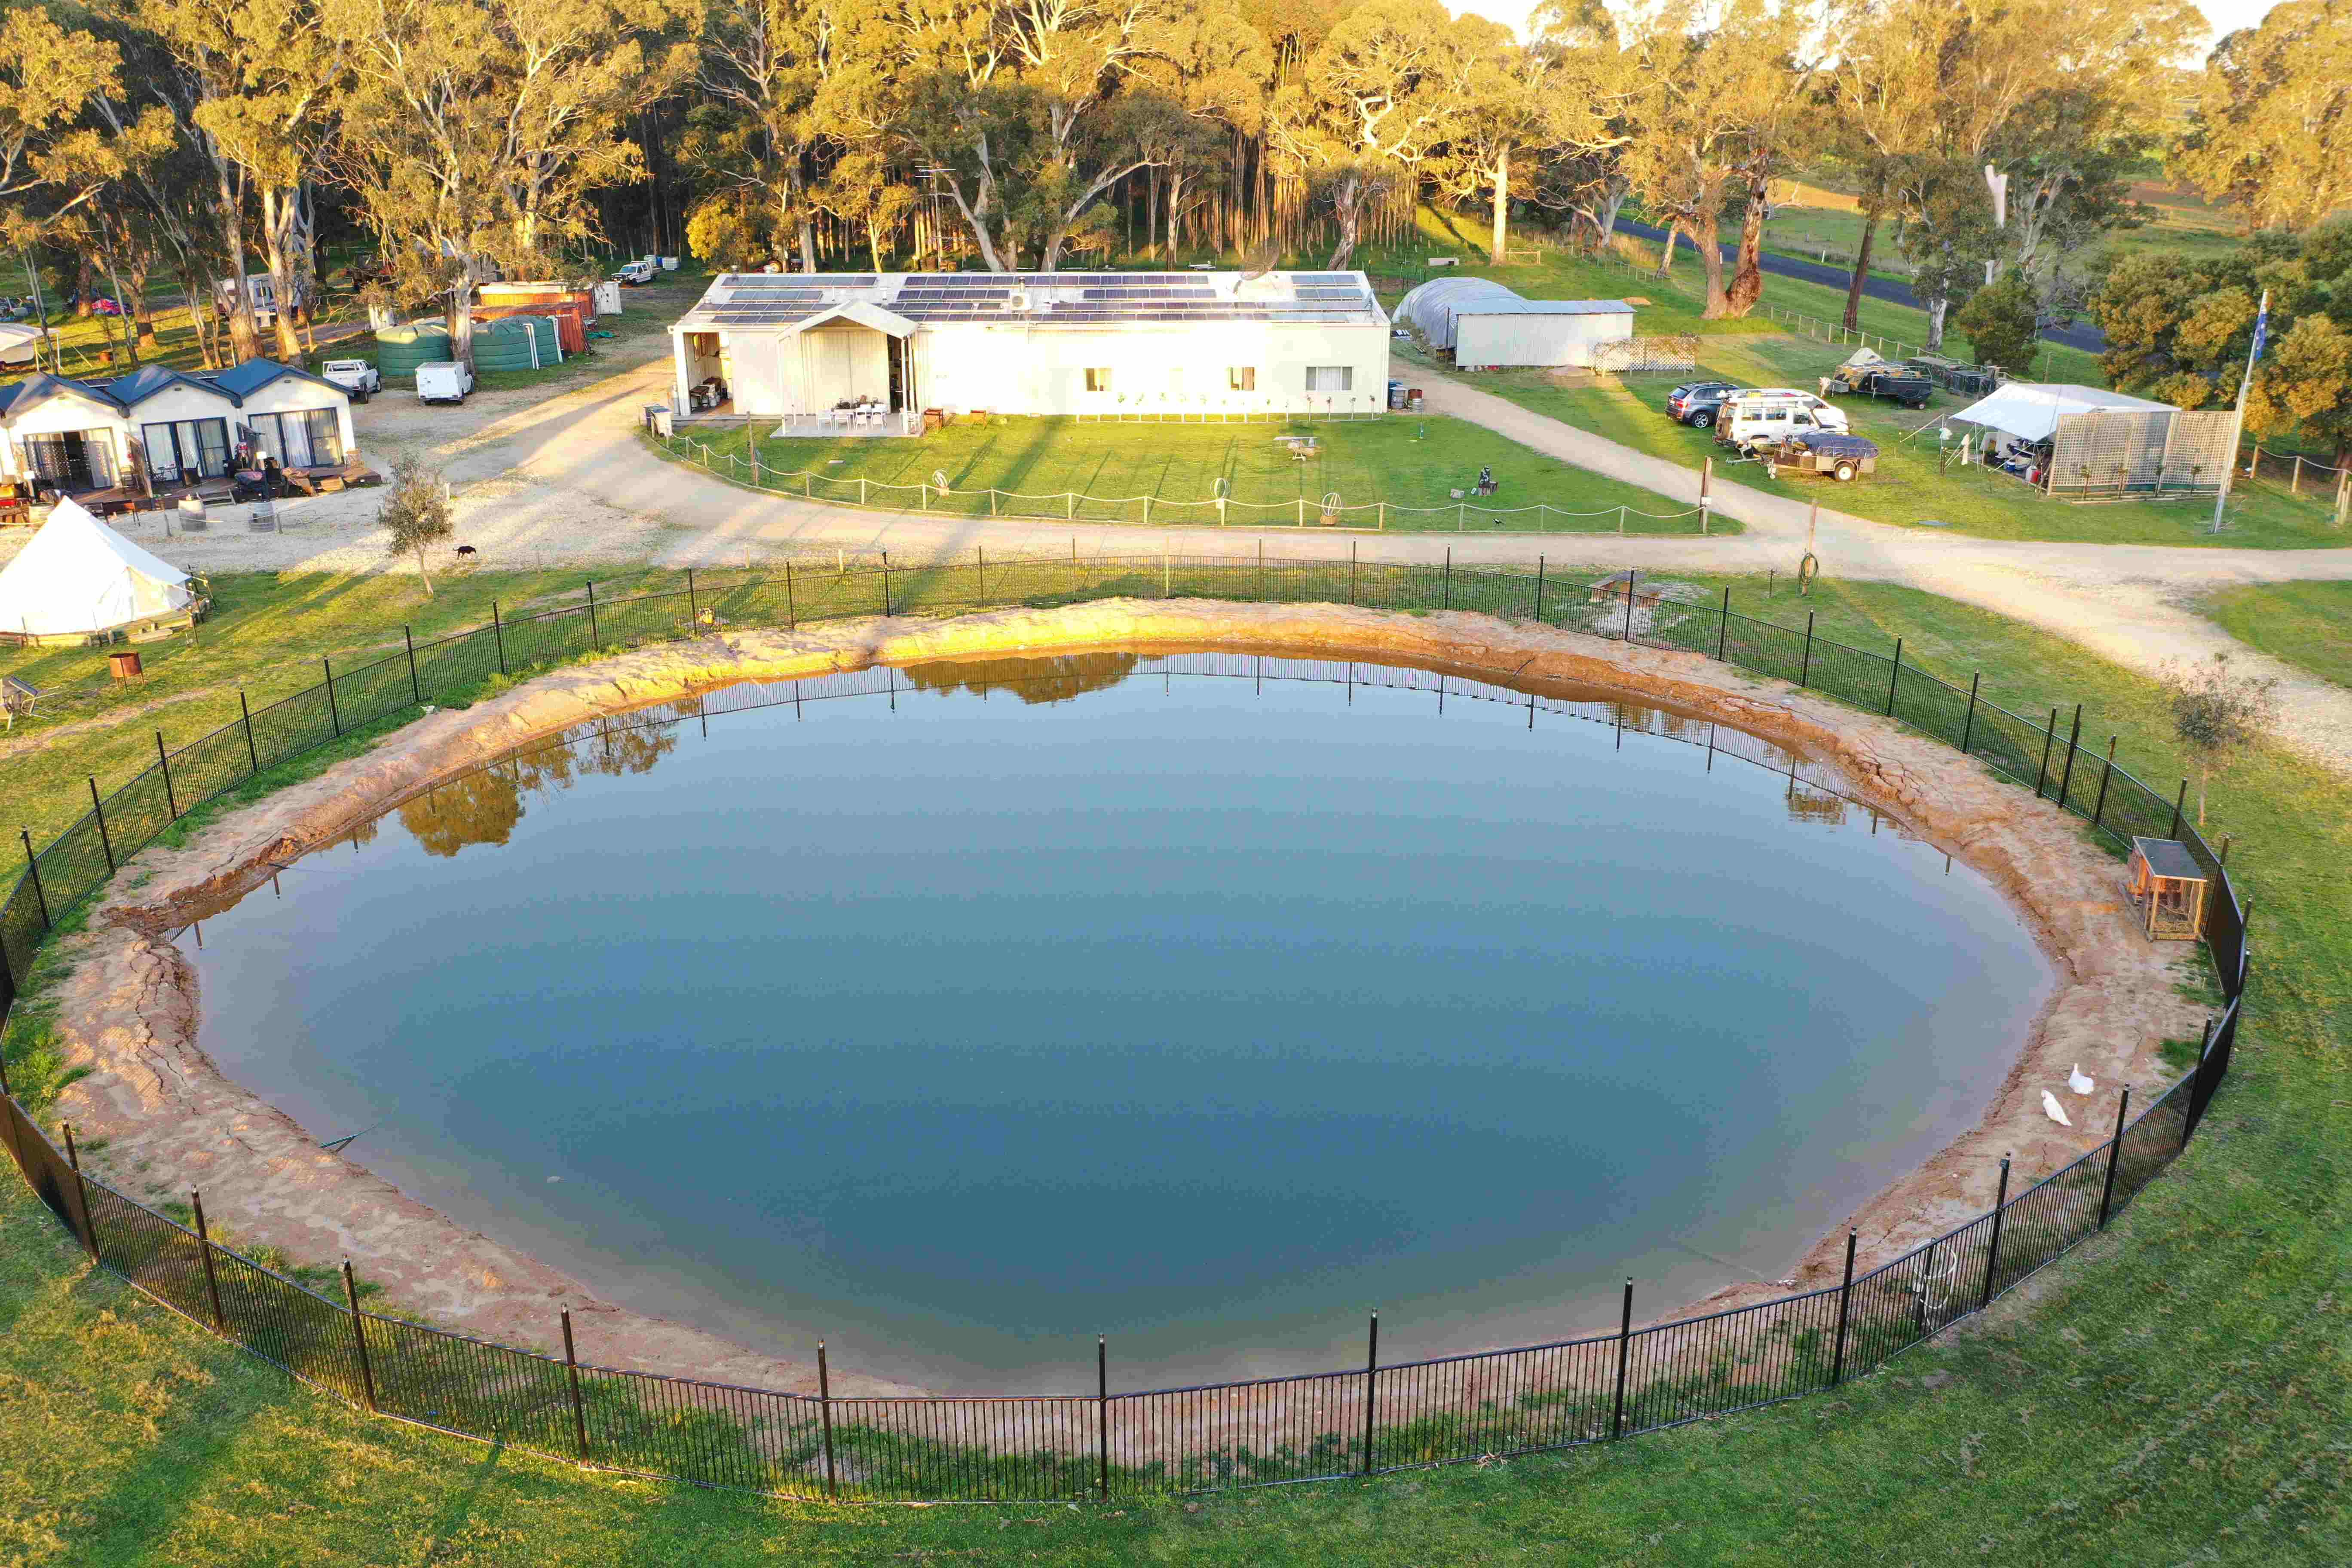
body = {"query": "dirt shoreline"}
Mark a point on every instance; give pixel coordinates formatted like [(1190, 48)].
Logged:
[(127, 1009)]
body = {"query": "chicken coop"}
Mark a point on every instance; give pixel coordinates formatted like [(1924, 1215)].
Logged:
[(2168, 888)]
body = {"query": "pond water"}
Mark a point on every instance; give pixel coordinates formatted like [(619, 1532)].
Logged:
[(961, 1013)]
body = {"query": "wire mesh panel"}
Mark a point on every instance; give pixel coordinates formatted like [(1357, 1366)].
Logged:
[(1501, 1401), (1242, 1434), (1730, 1360), (976, 1449)]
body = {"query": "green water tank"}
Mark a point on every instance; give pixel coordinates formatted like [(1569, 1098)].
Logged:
[(515, 343), (400, 349)]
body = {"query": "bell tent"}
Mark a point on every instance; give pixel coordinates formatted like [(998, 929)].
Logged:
[(78, 576)]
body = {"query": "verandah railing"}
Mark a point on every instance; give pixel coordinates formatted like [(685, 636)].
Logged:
[(1095, 1442)]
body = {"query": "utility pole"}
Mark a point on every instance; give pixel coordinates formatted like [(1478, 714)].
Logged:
[(2238, 418)]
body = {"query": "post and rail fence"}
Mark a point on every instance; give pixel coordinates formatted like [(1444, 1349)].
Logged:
[(1102, 1443)]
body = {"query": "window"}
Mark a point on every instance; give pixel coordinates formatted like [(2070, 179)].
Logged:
[(1242, 378), (310, 438), (72, 459), (1098, 380), (1330, 378), (187, 449)]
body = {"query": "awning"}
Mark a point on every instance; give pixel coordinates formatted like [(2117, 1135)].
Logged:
[(2031, 409), (859, 311)]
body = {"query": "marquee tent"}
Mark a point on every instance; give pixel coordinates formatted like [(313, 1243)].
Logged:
[(79, 575), (19, 344), (2031, 410)]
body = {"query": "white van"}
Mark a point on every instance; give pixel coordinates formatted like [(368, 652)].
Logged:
[(1768, 415), (443, 381)]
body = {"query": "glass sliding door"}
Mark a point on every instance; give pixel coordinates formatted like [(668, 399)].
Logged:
[(309, 437), (186, 450)]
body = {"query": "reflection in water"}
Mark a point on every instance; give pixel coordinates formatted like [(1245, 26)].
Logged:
[(483, 807), (1055, 678)]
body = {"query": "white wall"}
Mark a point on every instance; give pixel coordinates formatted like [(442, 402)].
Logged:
[(840, 360), (293, 395), (1154, 368), (59, 415), (1535, 339)]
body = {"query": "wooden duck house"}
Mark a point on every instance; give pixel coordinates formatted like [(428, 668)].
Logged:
[(2168, 888)]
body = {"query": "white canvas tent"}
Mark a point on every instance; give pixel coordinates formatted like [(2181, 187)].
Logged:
[(2030, 409), (79, 575), (18, 344)]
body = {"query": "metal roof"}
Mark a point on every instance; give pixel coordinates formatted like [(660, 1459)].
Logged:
[(2169, 857), (1078, 301), (1516, 306)]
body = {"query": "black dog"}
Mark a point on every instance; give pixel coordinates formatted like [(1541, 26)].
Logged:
[(466, 552)]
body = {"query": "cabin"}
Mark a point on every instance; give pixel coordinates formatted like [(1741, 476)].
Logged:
[(872, 353)]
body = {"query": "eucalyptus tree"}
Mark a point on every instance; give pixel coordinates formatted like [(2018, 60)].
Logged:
[(765, 66), (2270, 118)]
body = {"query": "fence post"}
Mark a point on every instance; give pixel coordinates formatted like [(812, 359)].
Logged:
[(2049, 738), (979, 567), (2115, 1153), (861, 489), (498, 633), (693, 611), (359, 1335), (2197, 1090), (571, 1374), (246, 711), (33, 868), (1722, 626), (1968, 731), (1351, 579), (2105, 775), (1447, 602), (596, 639), (791, 617), (886, 584), (1620, 522), (2294, 484), (1102, 1418), (2178, 802), (1805, 675), (1624, 1352), (1539, 587), (1371, 1387), (1383, 522), (2073, 740), (164, 758), (1631, 574), (98, 809), (825, 1414), (1845, 1302), (1992, 1252), (1461, 516), (1893, 676), (81, 1195), (212, 1279)]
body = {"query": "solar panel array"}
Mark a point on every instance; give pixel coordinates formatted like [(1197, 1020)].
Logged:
[(1077, 299), (792, 280)]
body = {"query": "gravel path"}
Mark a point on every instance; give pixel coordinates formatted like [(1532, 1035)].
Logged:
[(562, 481)]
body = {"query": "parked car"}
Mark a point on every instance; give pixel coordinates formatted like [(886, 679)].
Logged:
[(636, 274), (444, 381), (356, 376), (1844, 457), (1695, 403), (1770, 415)]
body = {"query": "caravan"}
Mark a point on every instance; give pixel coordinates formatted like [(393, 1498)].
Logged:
[(1766, 417)]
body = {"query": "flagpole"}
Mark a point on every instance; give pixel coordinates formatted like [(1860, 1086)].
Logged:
[(2238, 420)]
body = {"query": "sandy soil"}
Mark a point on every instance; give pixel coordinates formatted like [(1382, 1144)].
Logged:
[(128, 1007)]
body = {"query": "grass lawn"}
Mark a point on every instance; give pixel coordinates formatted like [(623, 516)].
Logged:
[(2307, 625), (2182, 222), (2176, 1390), (1910, 484), (1406, 460)]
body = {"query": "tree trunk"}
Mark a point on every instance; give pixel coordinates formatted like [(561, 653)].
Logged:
[(1666, 252), (81, 287), (276, 229), (1706, 237), (1499, 247), (1937, 309), (1861, 270), (1615, 205), (1345, 211), (460, 318), (422, 573), (1747, 286), (134, 327), (244, 337)]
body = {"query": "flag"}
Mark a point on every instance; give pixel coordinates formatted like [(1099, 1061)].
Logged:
[(2261, 328)]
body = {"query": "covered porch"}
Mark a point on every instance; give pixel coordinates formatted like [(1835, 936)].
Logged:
[(849, 370)]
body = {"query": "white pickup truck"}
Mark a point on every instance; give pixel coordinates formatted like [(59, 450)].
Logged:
[(636, 274), (356, 376), (444, 381)]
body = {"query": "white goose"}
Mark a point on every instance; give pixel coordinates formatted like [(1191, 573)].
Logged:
[(2052, 1109), (2080, 1081)]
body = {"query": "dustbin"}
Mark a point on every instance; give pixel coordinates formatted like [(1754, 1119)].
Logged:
[(657, 419), (1412, 400), (1396, 394)]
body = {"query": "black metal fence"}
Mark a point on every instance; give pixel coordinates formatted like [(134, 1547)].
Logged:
[(1096, 1443)]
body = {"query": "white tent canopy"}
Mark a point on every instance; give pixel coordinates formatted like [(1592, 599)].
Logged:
[(80, 575), (18, 344), (2031, 409)]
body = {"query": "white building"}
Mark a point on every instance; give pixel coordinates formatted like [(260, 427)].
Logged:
[(176, 427), (1487, 324), (865, 352)]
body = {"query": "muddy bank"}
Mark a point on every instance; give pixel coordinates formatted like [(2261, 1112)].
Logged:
[(128, 1010)]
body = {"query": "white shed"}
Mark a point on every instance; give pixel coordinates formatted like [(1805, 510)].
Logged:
[(871, 351), (1486, 323)]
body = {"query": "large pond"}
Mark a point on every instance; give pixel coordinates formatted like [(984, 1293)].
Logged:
[(959, 1013)]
